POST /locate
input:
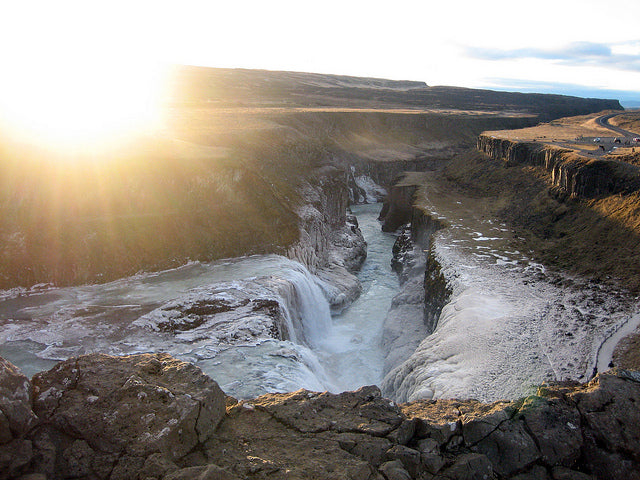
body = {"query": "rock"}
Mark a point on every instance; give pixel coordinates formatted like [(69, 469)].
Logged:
[(564, 473), (228, 313), (135, 405), (509, 447), (366, 447), (33, 476), (409, 457), (578, 175), (432, 462), (207, 472), (470, 466), (556, 429), (481, 421), (397, 207), (258, 439), (16, 416), (403, 433), (439, 420), (428, 445), (14, 457), (362, 411), (394, 470), (536, 472), (127, 467), (609, 406), (156, 465), (16, 420), (492, 431), (146, 417)]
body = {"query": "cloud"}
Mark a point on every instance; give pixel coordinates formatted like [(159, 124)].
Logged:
[(622, 56)]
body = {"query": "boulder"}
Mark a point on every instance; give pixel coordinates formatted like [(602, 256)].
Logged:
[(16, 420), (609, 407), (438, 420), (16, 416), (362, 411), (556, 429), (206, 472), (469, 466), (394, 470), (131, 406), (409, 457), (493, 431)]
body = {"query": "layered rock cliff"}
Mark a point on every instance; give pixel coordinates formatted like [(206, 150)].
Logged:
[(574, 174), (153, 417)]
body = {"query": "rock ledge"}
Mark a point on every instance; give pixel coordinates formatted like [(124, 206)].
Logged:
[(153, 417)]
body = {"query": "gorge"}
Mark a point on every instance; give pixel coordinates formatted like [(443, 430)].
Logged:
[(473, 310)]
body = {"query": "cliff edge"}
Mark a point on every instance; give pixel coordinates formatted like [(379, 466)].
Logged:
[(154, 417)]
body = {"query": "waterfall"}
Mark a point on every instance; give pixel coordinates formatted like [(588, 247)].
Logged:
[(306, 308), (255, 324)]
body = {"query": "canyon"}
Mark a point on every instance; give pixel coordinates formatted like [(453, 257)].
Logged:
[(487, 346)]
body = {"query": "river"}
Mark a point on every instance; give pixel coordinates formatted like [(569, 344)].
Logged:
[(508, 326), (39, 328)]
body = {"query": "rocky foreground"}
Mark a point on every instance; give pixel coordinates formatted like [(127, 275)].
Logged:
[(154, 417)]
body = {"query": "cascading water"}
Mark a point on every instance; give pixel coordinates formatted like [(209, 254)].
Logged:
[(153, 312), (352, 353)]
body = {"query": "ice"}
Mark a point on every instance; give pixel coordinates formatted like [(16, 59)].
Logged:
[(508, 326), (256, 324), (374, 192)]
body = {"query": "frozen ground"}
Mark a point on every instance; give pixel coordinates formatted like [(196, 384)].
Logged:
[(509, 325)]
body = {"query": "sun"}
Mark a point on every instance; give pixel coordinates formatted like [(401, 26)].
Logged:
[(76, 104)]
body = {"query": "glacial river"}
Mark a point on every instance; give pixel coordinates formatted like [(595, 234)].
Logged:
[(508, 326), (39, 328)]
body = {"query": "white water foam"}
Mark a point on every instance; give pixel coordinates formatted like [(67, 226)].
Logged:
[(119, 317)]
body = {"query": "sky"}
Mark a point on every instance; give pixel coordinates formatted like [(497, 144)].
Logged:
[(587, 48)]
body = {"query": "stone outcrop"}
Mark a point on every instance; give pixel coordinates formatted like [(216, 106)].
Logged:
[(424, 291), (16, 420), (331, 244), (153, 417), (107, 417), (576, 175), (398, 207), (385, 173)]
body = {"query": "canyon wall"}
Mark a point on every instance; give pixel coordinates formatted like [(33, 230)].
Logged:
[(576, 175), (424, 291), (330, 245)]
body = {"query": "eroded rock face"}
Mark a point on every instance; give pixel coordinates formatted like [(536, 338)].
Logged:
[(104, 409), (579, 176), (16, 420), (143, 417)]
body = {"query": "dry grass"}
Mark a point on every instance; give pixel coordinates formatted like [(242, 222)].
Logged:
[(628, 121), (562, 130)]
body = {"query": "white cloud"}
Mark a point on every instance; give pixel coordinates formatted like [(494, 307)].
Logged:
[(407, 39)]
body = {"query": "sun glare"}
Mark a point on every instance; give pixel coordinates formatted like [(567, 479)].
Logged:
[(77, 105)]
